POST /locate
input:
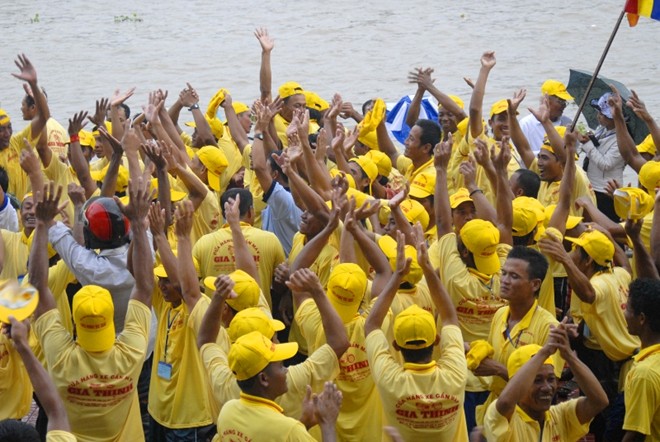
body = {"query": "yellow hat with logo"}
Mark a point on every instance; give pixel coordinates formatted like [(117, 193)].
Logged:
[(481, 238), (17, 301), (556, 88), (649, 176), (414, 328), (388, 245), (93, 314), (528, 213), (521, 356), (415, 212), (382, 161), (215, 162), (289, 88), (632, 203), (86, 138), (346, 288), (253, 319), (313, 101), (597, 245), (245, 287), (459, 197), (498, 107), (252, 353), (456, 99), (368, 167), (422, 185), (239, 107)]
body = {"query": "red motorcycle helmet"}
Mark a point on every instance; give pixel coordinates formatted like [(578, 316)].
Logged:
[(104, 226)]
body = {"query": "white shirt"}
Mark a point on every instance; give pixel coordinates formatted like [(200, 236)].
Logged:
[(8, 216), (605, 161), (534, 132)]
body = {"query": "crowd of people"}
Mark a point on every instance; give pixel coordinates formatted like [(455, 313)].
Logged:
[(279, 275)]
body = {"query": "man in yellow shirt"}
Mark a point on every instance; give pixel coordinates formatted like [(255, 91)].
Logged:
[(424, 398), (97, 374), (524, 410), (642, 391), (257, 363)]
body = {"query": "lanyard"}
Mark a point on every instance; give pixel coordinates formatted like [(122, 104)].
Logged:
[(508, 333), (167, 334)]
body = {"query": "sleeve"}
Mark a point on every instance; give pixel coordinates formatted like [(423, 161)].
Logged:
[(641, 400), (496, 427), (308, 318), (280, 201), (320, 367), (453, 272), (608, 161), (197, 314), (223, 382), (384, 369), (8, 216), (55, 341), (564, 416), (135, 334), (452, 354)]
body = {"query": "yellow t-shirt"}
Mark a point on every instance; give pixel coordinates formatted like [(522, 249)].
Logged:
[(58, 138), (99, 390), (406, 167), (206, 218), (604, 317), (360, 416), (60, 436), (183, 399), (15, 385), (475, 295), (234, 159), (561, 424), (549, 192), (643, 394), (16, 255), (215, 254), (533, 328), (423, 401), (252, 182), (19, 183), (253, 418), (323, 264), (62, 175)]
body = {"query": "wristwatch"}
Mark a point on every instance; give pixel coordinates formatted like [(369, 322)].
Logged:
[(259, 136), (193, 107)]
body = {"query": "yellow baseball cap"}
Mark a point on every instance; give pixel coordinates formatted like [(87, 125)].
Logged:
[(382, 161), (86, 138), (414, 212), (346, 287), (360, 197), (4, 117), (561, 130), (313, 101), (456, 99), (521, 356), (632, 203), (414, 328), (649, 176), (215, 162), (459, 197), (369, 167), (122, 177), (245, 287), (423, 185), (388, 245), (597, 245), (93, 314), (498, 107), (348, 176), (571, 221), (239, 107), (481, 239), (528, 213), (253, 319), (480, 349), (373, 118), (251, 353), (290, 88), (556, 88), (17, 301), (370, 139), (647, 145), (160, 271)]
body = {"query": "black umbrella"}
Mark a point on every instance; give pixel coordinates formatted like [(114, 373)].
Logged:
[(577, 85)]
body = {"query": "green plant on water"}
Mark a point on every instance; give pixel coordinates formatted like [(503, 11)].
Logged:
[(35, 19), (133, 18)]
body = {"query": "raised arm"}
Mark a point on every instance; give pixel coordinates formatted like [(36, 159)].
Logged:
[(477, 101), (644, 265), (265, 74), (637, 105), (384, 301), (159, 231), (483, 207), (555, 140), (517, 136), (183, 221), (49, 398), (28, 74), (402, 223), (46, 209), (210, 326), (242, 256), (504, 215), (30, 164), (560, 215), (312, 249), (115, 104), (417, 77), (442, 207), (143, 262), (236, 131), (264, 115), (304, 280), (624, 141), (78, 160)]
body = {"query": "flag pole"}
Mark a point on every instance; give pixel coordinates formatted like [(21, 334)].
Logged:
[(595, 75)]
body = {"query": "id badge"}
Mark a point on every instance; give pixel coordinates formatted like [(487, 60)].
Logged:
[(164, 370)]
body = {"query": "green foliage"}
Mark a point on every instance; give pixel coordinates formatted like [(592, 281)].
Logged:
[(133, 18), (35, 19)]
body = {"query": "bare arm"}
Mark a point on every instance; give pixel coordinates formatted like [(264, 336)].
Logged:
[(159, 231), (314, 246), (78, 161), (28, 74), (624, 141), (415, 104), (442, 207), (187, 275), (477, 100), (385, 143), (235, 129), (484, 208), (637, 105), (515, 132), (115, 102), (644, 265), (265, 75), (560, 215), (242, 255), (504, 194), (210, 326)]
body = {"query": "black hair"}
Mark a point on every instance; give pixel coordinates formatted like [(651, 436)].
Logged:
[(537, 264), (417, 356), (127, 110), (276, 167), (365, 105), (313, 138), (247, 385), (12, 430), (523, 240), (431, 133), (245, 204), (644, 297), (597, 267), (29, 99), (315, 114), (4, 179), (529, 182)]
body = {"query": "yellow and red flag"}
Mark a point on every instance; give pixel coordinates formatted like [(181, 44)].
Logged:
[(646, 8)]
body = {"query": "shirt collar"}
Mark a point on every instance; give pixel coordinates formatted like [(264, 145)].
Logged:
[(525, 321), (526, 418), (261, 401), (646, 352), (419, 368)]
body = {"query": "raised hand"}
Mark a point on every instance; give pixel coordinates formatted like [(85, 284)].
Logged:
[(488, 59), (469, 172), (402, 263), (77, 123), (264, 115), (157, 219), (267, 43), (46, 207), (481, 155), (183, 218), (232, 211), (188, 96), (514, 102), (114, 143), (421, 77), (154, 151), (304, 280), (139, 201), (638, 107), (503, 157), (28, 160), (327, 404), (118, 97), (153, 107), (224, 287), (99, 114), (76, 194), (422, 248), (442, 154), (541, 114), (28, 72)]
